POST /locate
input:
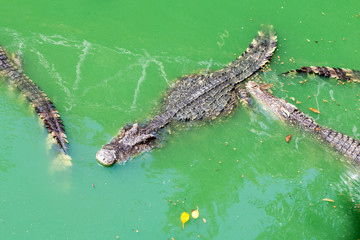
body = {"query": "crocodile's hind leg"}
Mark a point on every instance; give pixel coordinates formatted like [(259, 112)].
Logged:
[(242, 93), (18, 60), (244, 96)]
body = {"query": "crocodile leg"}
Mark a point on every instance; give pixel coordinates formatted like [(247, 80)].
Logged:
[(244, 96)]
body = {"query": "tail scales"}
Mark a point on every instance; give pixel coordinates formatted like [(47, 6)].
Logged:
[(343, 74)]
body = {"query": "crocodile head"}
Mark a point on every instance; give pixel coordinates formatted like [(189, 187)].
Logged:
[(129, 142), (278, 107)]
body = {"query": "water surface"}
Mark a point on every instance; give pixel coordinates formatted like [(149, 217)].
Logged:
[(105, 64)]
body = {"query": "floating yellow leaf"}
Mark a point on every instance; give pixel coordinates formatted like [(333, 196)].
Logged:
[(314, 110), (184, 218), (328, 200), (195, 213)]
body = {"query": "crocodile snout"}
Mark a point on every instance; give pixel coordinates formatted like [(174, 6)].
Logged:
[(106, 157)]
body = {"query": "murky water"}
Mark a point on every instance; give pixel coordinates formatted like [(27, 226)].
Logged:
[(108, 64)]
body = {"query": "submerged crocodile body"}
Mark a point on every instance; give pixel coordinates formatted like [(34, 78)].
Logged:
[(343, 74), (37, 98), (287, 112), (194, 97)]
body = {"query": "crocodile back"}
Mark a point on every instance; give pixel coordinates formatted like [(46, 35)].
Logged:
[(196, 97), (218, 97)]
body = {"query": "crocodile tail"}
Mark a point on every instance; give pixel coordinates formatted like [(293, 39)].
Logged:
[(342, 143), (38, 99), (343, 74), (256, 55)]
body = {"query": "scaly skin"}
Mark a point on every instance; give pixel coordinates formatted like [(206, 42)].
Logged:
[(37, 98), (194, 97), (343, 74), (288, 113)]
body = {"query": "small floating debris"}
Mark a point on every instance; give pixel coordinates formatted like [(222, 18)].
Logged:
[(204, 220), (328, 200), (288, 138), (315, 110), (195, 213)]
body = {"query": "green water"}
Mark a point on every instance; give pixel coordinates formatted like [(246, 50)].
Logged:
[(108, 63)]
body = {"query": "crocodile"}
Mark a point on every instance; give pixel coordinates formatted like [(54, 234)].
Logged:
[(342, 74), (288, 113), (45, 109), (193, 97)]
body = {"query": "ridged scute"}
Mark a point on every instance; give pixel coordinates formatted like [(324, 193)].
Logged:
[(343, 74), (256, 55), (186, 104), (348, 146), (37, 98), (196, 97)]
